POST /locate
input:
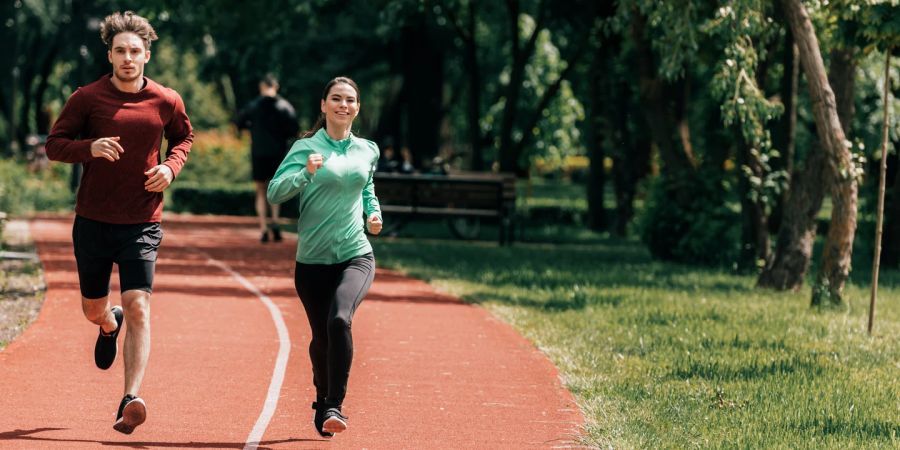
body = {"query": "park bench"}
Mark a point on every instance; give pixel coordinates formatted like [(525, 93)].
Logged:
[(464, 199)]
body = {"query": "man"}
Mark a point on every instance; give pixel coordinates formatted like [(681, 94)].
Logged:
[(272, 122), (114, 127)]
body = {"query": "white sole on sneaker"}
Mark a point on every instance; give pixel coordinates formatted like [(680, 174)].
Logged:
[(334, 425), (134, 414)]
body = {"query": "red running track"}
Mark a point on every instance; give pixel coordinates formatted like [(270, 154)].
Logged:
[(429, 371)]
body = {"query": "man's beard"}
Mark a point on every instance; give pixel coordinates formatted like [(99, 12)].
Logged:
[(123, 78)]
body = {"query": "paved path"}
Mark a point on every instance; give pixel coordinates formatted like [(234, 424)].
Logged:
[(229, 366)]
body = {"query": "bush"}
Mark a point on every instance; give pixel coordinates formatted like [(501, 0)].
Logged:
[(217, 157), (232, 200), (689, 220), (564, 214), (24, 192)]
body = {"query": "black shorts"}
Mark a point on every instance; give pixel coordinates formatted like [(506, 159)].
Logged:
[(264, 167), (98, 245)]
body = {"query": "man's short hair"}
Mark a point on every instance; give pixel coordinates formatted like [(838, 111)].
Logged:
[(269, 80), (128, 22)]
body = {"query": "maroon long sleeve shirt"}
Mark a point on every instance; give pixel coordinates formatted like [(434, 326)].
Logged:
[(113, 192)]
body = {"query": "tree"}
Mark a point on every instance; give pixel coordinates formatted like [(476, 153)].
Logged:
[(841, 169), (790, 260)]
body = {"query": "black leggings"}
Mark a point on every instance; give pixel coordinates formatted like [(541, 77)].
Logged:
[(330, 293)]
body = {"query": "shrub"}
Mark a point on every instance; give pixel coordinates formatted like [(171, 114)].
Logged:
[(230, 199), (690, 220), (217, 157), (24, 192)]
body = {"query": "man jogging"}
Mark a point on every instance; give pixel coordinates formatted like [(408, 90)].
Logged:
[(272, 123), (114, 127)]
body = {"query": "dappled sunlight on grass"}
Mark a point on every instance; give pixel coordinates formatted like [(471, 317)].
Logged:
[(672, 356)]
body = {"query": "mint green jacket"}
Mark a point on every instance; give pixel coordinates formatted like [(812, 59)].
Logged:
[(330, 228)]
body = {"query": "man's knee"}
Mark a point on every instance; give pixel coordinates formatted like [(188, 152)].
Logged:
[(137, 307), (95, 309)]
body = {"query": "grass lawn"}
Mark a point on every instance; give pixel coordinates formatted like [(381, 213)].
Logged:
[(670, 356)]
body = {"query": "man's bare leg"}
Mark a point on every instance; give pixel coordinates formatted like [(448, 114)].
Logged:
[(276, 210), (276, 231), (137, 338), (133, 410), (261, 203), (98, 312)]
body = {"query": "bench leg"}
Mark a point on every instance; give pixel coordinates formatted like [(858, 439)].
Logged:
[(506, 232)]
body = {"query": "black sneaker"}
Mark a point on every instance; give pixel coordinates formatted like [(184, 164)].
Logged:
[(276, 233), (132, 412), (265, 237), (319, 418), (106, 347), (335, 422)]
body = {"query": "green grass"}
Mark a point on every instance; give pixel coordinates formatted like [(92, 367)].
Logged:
[(670, 356)]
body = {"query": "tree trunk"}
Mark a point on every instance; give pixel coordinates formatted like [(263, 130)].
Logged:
[(787, 267), (520, 55), (794, 245), (876, 263), (786, 130), (755, 244), (423, 82), (474, 106), (598, 87), (890, 255), (839, 165), (842, 76), (630, 152), (654, 93)]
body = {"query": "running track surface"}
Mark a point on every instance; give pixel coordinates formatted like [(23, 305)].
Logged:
[(429, 371)]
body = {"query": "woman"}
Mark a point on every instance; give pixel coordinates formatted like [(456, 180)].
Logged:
[(331, 170)]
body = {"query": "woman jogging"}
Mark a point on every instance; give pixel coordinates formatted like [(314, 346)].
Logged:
[(331, 171)]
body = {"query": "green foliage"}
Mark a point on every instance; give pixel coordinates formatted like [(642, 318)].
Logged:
[(868, 121), (23, 192), (557, 134), (866, 23), (237, 199), (662, 355), (675, 33), (225, 199), (218, 157), (741, 25), (546, 202), (216, 178), (179, 69), (691, 220)]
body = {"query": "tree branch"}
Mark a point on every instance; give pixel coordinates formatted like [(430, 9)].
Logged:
[(551, 92)]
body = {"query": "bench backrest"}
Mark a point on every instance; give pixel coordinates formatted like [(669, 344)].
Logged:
[(495, 192)]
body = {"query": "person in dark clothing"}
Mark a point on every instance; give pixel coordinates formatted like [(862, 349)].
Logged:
[(272, 123), (387, 163)]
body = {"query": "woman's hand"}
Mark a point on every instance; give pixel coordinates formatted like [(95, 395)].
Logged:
[(374, 224), (313, 163)]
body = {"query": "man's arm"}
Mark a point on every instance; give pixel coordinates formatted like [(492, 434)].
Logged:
[(242, 121), (180, 135), (62, 143)]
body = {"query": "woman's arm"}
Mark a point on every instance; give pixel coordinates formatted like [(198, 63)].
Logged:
[(291, 178)]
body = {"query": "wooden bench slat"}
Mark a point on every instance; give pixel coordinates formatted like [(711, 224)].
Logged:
[(457, 195)]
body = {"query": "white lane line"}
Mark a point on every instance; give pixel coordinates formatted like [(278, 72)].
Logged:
[(284, 349)]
